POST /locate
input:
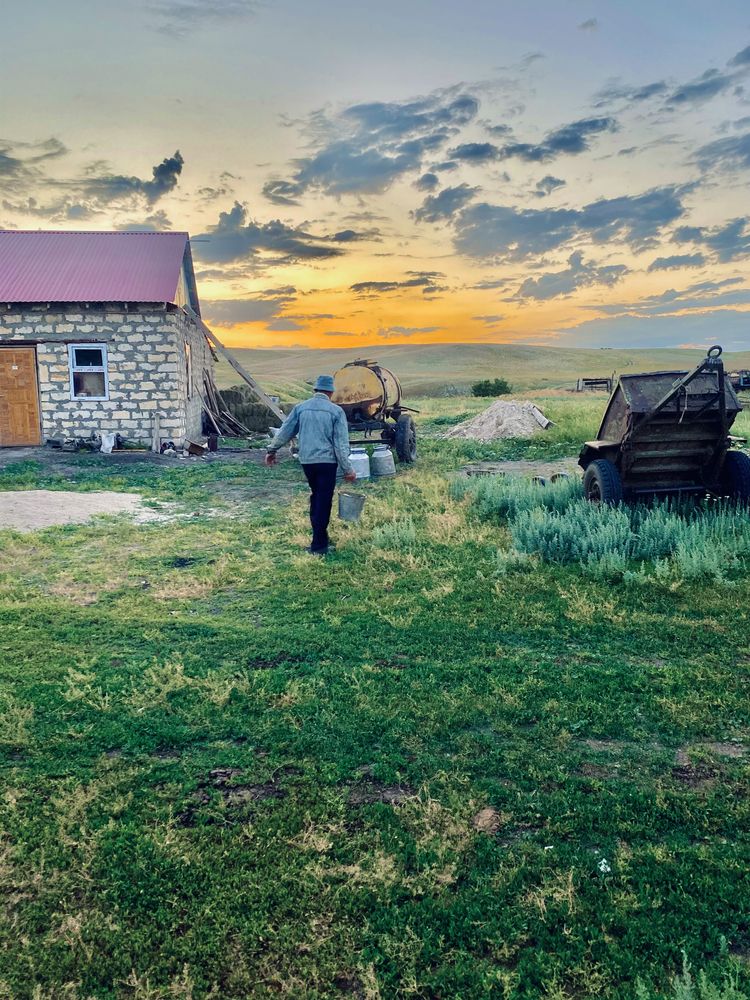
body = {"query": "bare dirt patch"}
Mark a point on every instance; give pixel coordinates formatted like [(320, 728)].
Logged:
[(487, 820), (606, 746), (598, 771), (31, 510), (734, 750), (698, 779), (391, 795)]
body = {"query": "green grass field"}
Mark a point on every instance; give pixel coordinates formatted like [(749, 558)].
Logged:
[(426, 369), (410, 770)]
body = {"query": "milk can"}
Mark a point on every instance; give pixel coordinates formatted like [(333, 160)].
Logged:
[(360, 462), (382, 463)]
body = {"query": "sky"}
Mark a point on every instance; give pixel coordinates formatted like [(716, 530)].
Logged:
[(548, 172)]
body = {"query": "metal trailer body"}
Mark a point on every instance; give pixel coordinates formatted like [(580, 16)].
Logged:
[(668, 433), (370, 396)]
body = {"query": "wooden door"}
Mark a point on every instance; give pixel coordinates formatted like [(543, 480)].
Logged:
[(19, 397)]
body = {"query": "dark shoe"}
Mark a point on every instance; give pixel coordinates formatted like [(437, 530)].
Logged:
[(316, 552)]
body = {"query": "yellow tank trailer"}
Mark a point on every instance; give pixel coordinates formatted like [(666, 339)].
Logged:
[(370, 396)]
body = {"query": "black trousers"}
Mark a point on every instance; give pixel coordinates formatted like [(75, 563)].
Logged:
[(322, 479)]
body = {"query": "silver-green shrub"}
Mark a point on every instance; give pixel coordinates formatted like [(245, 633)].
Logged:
[(663, 542), (396, 534)]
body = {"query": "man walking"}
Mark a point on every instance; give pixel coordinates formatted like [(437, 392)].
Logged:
[(323, 436)]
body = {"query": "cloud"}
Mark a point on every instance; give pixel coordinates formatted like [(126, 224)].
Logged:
[(236, 238), (615, 91), (489, 320), (392, 332), (700, 296), (437, 208), (569, 140), (590, 25), (475, 152), (178, 18), (547, 185), (578, 274), (711, 83), (726, 154), (353, 236), (156, 222), (677, 261), (499, 130), (264, 307), (108, 188), (499, 232), (281, 192), (490, 284), (427, 182), (730, 241), (426, 280), (365, 148), (17, 159), (708, 85)]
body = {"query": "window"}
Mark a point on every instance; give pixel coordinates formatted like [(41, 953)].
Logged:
[(88, 371)]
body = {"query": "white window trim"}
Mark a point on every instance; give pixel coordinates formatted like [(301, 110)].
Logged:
[(105, 368)]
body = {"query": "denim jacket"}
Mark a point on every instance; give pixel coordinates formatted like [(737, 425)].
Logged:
[(322, 430)]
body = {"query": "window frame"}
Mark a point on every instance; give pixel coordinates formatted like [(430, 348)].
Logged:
[(73, 369)]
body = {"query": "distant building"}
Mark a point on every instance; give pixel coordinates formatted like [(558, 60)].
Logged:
[(96, 335)]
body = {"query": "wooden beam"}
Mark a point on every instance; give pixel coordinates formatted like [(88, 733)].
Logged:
[(245, 375)]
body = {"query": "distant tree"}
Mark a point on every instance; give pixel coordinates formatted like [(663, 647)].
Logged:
[(491, 387)]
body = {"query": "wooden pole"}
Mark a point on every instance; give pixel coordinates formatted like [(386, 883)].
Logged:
[(245, 375)]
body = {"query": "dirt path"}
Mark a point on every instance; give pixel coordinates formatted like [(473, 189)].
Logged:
[(30, 510)]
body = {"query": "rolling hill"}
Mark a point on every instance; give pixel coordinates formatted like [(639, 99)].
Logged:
[(428, 369)]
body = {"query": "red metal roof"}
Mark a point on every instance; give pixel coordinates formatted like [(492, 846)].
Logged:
[(38, 266)]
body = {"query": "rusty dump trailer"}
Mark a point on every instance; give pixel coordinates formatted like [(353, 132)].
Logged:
[(668, 433), (370, 396)]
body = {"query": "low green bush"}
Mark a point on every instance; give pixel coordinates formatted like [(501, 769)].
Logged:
[(396, 534), (685, 987), (491, 387), (663, 542), (505, 497)]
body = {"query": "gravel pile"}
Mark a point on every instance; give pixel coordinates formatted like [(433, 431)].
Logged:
[(502, 420)]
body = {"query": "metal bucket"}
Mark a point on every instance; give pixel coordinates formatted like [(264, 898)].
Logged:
[(350, 506)]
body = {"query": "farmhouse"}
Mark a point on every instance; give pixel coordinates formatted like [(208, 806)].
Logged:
[(99, 332)]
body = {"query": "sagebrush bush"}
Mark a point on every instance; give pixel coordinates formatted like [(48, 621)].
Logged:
[(396, 534), (504, 497), (668, 541), (685, 987)]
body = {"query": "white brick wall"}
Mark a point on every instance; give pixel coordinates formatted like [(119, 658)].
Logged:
[(146, 366)]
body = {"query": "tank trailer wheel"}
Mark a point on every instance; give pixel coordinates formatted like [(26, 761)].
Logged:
[(735, 476), (602, 482), (406, 438)]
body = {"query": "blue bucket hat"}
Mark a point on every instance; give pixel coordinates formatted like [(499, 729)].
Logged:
[(324, 383)]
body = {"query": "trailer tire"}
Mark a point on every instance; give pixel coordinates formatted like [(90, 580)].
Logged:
[(602, 482), (735, 476), (406, 438)]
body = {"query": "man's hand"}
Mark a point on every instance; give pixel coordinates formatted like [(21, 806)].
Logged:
[(350, 476), (270, 458)]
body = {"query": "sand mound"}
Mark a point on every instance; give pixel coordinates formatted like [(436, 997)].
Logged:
[(502, 420)]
